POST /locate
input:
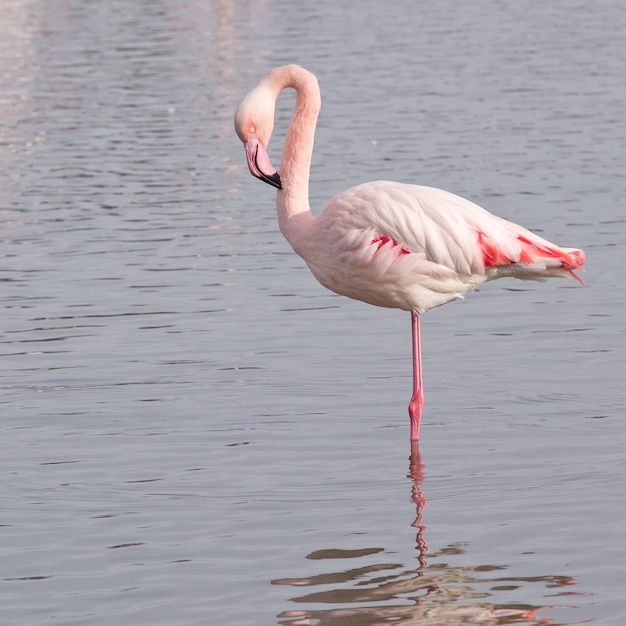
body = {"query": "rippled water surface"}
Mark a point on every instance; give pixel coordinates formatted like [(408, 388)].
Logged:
[(194, 431)]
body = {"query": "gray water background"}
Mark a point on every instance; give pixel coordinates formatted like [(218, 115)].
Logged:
[(194, 431)]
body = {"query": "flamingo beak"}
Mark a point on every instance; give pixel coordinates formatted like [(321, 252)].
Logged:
[(259, 162)]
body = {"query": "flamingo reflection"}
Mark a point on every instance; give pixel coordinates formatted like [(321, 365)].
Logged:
[(431, 595), (416, 474)]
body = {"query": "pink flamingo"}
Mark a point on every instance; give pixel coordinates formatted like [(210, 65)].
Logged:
[(389, 244)]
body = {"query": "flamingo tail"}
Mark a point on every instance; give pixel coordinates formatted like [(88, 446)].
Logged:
[(532, 258)]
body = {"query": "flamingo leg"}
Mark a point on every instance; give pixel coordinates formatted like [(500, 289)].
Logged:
[(417, 399)]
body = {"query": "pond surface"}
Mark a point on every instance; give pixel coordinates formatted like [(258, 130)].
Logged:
[(195, 432)]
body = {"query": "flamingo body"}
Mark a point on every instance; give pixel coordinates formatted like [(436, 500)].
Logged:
[(385, 243), (415, 248)]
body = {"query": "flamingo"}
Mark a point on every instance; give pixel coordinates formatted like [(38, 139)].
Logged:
[(389, 244)]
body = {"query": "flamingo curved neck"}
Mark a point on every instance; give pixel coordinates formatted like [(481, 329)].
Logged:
[(292, 203)]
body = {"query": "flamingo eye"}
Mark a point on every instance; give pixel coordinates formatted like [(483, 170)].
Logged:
[(252, 129)]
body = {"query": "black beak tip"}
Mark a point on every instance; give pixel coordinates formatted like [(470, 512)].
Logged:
[(276, 181), (272, 179)]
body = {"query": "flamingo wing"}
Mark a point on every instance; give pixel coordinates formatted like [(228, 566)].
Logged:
[(456, 233), (383, 244)]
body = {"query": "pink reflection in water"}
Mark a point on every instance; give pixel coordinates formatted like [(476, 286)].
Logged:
[(429, 594)]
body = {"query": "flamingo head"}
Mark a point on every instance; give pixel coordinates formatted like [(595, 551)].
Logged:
[(254, 123)]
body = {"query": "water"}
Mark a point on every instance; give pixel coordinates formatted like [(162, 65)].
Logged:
[(195, 432)]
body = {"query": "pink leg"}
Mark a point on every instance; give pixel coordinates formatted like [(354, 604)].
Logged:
[(417, 399)]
